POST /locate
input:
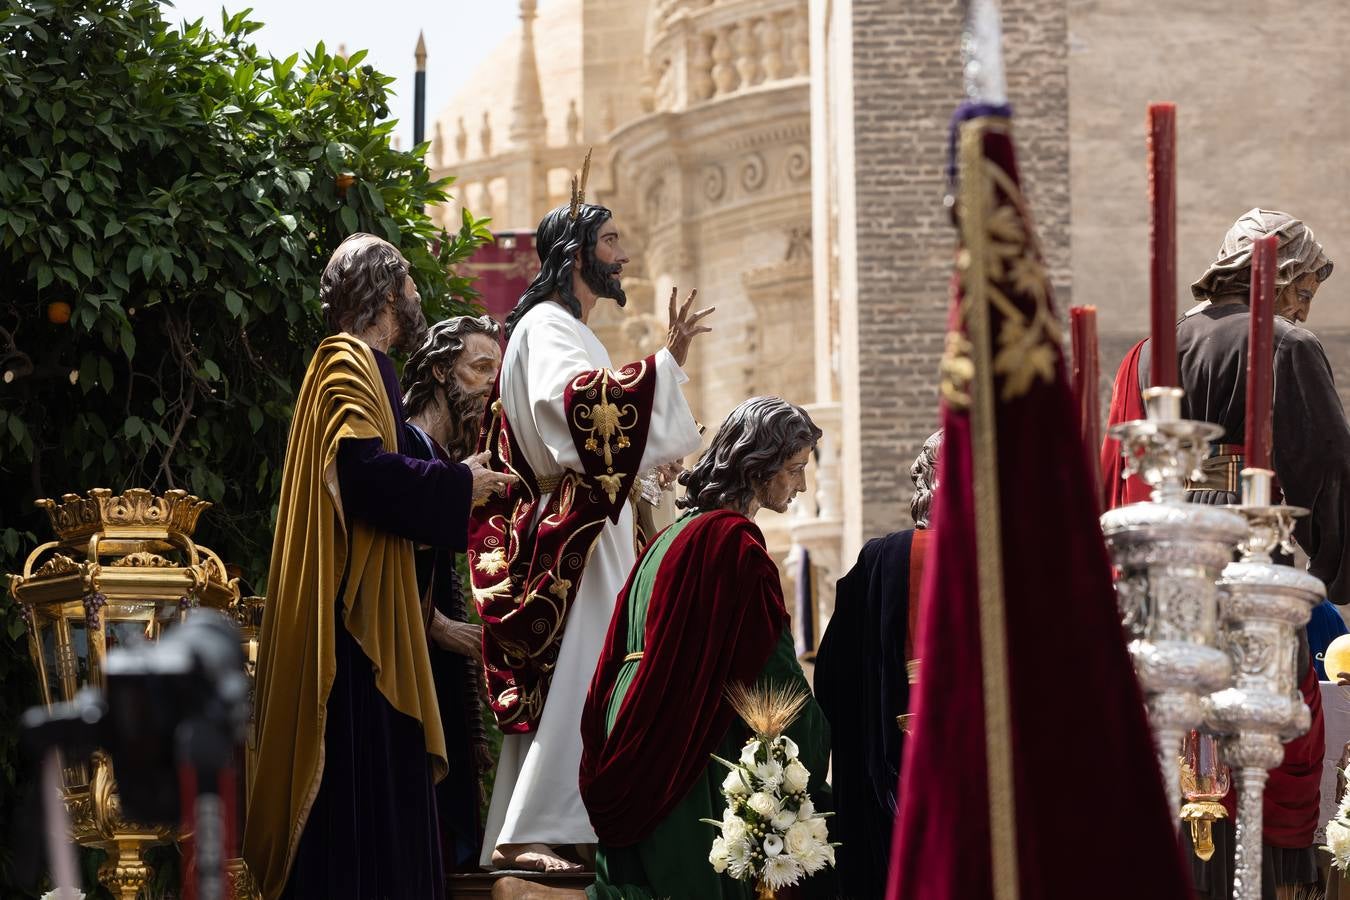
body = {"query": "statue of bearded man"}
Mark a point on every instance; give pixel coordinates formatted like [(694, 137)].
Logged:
[(447, 381)]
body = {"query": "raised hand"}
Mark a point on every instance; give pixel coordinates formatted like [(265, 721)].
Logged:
[(683, 326)]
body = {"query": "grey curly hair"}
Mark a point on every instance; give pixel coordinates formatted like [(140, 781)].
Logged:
[(360, 276), (756, 440), (924, 475), (443, 344)]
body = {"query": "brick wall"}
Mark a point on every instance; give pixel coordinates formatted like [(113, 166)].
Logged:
[(906, 83)]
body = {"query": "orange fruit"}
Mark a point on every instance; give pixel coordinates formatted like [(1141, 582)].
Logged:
[(58, 312)]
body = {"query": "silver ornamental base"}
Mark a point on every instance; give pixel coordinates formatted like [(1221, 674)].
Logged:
[(1262, 606), (1169, 554)]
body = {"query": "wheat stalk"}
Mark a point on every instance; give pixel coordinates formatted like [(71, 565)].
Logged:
[(767, 708)]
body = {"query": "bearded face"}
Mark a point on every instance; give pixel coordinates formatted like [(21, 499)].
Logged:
[(602, 264)]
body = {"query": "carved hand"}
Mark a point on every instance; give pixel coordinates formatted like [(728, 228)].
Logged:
[(487, 482), (683, 326), (457, 637)]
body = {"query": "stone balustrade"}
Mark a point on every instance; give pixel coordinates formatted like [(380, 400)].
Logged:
[(700, 50)]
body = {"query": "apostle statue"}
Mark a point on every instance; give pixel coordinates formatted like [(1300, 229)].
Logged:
[(446, 383), (1311, 459), (348, 734), (702, 611), (548, 559), (862, 680)]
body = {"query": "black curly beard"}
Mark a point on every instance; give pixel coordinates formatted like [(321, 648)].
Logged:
[(603, 279)]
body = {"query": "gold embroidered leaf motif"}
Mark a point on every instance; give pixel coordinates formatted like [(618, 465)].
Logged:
[(560, 588), (610, 484), (492, 562)]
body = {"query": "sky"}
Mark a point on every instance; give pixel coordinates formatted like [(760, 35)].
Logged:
[(459, 35)]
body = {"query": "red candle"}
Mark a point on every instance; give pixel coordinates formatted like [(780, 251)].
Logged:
[(1162, 192), (1260, 353), (1086, 378)]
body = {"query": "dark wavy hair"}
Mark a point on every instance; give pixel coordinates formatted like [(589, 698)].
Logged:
[(360, 276), (753, 444), (443, 344), (557, 240)]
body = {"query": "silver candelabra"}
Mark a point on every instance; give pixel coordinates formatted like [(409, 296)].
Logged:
[(1169, 554), (1262, 606)]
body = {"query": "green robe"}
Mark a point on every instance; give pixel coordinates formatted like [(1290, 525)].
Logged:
[(673, 860)]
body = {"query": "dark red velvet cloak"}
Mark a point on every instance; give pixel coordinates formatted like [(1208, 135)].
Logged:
[(715, 614), (1127, 405)]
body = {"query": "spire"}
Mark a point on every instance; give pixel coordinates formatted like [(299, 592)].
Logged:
[(421, 52), (527, 110)]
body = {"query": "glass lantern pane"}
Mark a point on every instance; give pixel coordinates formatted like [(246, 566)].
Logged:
[(123, 632), (79, 644), (48, 642)]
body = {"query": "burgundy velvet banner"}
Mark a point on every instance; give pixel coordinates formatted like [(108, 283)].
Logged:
[(1065, 651)]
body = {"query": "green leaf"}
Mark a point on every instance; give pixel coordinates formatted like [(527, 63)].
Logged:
[(128, 343), (288, 221), (255, 418), (74, 202), (157, 405), (112, 228), (234, 303), (17, 430), (210, 370), (105, 374), (83, 260), (349, 221), (133, 426), (134, 257)]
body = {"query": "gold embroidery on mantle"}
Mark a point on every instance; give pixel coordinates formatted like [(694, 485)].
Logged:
[(1004, 253), (605, 422)]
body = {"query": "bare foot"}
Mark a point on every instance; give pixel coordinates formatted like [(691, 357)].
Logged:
[(533, 857)]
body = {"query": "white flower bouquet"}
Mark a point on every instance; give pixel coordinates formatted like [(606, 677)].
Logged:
[(771, 833), (1338, 833)]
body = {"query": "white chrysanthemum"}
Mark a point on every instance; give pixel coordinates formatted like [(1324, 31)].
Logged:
[(820, 829), (829, 852), (735, 783), (795, 777), (780, 871), (58, 894), (763, 804), (718, 855), (784, 820), (806, 811), (733, 827), (748, 753), (814, 858), (739, 862), (773, 845), (770, 774), (1338, 843)]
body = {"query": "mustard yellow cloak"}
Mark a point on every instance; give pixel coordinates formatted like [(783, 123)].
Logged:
[(342, 396)]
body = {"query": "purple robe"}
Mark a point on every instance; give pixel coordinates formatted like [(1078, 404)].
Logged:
[(372, 832)]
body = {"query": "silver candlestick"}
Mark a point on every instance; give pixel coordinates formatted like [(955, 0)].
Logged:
[(1262, 606), (1169, 554)]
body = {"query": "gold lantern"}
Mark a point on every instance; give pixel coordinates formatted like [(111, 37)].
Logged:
[(124, 567)]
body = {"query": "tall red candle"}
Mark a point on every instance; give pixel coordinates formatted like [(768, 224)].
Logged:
[(1261, 352), (1162, 192), (1086, 379)]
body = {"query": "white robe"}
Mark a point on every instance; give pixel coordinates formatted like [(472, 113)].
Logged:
[(536, 798)]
